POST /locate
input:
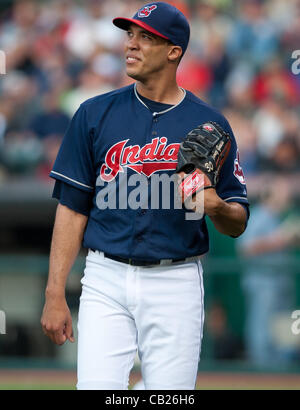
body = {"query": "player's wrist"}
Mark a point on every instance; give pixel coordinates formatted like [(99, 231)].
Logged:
[(213, 204), (55, 292)]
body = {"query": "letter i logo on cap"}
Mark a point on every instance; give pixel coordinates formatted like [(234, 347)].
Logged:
[(146, 11)]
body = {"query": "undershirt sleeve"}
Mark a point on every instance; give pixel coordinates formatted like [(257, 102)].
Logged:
[(76, 199)]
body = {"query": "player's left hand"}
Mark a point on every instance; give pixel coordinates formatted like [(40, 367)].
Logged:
[(201, 156)]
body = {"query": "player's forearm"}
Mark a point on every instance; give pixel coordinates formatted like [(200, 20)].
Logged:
[(66, 242), (228, 218)]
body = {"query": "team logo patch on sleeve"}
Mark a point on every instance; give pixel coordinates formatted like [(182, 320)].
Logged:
[(146, 11), (238, 171)]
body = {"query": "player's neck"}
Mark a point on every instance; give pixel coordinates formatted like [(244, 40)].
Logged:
[(169, 93)]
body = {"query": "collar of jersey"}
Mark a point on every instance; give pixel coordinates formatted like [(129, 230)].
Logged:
[(164, 111)]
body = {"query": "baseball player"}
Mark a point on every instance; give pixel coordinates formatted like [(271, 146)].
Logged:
[(142, 288)]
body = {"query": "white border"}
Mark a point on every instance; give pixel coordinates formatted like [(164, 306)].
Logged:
[(161, 112), (236, 197), (70, 179)]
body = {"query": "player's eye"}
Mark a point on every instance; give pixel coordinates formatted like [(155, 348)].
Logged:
[(146, 36), (129, 34)]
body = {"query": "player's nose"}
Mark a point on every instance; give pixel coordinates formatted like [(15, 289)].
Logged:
[(132, 43)]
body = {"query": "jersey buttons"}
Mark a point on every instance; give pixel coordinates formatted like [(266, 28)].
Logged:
[(154, 115)]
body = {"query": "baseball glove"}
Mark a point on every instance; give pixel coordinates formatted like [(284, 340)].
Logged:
[(201, 155)]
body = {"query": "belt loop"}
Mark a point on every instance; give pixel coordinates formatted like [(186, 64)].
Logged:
[(165, 262), (97, 253)]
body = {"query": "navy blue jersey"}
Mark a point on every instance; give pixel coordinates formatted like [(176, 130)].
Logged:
[(115, 137)]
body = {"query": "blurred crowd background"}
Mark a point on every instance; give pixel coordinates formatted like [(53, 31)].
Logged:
[(61, 52)]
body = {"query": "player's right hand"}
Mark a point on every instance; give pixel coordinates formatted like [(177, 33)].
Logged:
[(56, 321)]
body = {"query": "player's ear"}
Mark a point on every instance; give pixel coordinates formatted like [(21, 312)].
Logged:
[(175, 53)]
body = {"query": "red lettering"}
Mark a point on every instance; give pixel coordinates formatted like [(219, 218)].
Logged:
[(112, 162), (171, 152), (155, 156), (159, 155), (131, 154), (148, 151)]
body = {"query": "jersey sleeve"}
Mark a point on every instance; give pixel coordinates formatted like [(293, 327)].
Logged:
[(74, 162), (231, 186)]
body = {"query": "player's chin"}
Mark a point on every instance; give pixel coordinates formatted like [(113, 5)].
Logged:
[(135, 73)]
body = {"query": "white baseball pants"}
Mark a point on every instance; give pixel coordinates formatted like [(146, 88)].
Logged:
[(156, 310)]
